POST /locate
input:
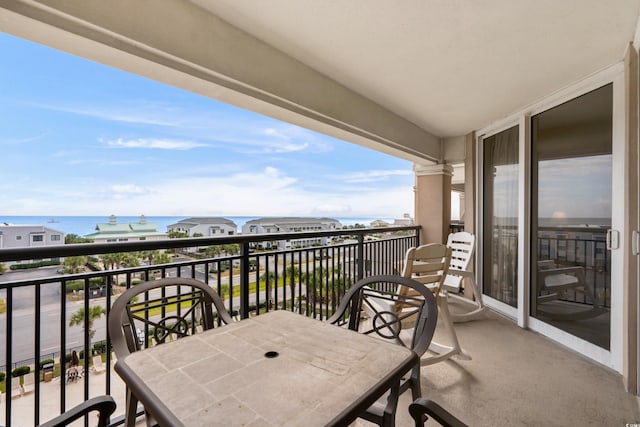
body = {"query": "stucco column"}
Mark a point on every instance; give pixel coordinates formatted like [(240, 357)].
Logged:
[(433, 201)]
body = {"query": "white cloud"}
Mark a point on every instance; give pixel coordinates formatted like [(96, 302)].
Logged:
[(374, 175), (127, 189), (268, 192), (161, 144), (120, 113)]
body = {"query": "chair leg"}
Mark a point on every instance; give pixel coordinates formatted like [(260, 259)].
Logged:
[(478, 308), (444, 352), (131, 409)]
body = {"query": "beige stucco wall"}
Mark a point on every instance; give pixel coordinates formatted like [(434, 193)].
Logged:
[(433, 202)]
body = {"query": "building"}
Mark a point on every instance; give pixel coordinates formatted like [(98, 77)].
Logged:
[(290, 225), (379, 223), (205, 227), (406, 220), (112, 231), (14, 236)]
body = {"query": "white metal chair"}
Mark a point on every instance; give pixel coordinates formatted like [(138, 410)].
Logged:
[(429, 264), (462, 246), (28, 383), (554, 282), (16, 388), (98, 366)]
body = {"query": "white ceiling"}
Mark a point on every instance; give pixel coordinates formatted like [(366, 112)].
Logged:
[(449, 66)]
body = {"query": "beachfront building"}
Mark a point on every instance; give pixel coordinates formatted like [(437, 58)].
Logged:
[(406, 220), (14, 236), (112, 231), (206, 227), (379, 223), (291, 225)]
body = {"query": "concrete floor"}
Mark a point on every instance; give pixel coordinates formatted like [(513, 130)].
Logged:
[(519, 378), (515, 378)]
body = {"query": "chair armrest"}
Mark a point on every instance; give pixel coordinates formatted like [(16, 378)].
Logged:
[(423, 406), (105, 405)]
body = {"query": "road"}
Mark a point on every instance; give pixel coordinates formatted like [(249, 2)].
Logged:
[(24, 315)]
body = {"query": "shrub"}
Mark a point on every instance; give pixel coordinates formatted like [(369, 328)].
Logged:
[(2, 376), (20, 371), (25, 266), (100, 347)]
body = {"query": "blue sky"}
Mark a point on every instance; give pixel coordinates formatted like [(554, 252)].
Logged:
[(80, 138)]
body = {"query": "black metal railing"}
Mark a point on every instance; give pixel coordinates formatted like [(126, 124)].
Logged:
[(585, 247), (34, 328)]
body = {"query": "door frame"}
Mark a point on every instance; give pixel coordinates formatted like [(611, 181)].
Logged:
[(521, 314)]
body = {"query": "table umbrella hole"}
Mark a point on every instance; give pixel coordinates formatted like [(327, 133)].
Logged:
[(271, 354)]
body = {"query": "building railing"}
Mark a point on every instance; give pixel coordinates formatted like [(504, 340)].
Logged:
[(579, 246), (307, 280)]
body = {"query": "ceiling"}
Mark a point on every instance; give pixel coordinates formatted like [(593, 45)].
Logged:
[(449, 67)]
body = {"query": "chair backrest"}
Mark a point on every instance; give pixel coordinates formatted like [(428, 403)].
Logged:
[(427, 264), (369, 307), (462, 245), (162, 310)]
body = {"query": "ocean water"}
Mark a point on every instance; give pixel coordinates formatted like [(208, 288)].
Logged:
[(82, 225)]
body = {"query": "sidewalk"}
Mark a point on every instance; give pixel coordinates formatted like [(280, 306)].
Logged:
[(22, 408)]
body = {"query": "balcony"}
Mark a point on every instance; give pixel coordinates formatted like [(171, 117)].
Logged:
[(516, 377)]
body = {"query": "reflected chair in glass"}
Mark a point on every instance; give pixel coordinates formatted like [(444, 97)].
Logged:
[(462, 245), (164, 310), (421, 409), (554, 282), (397, 309), (429, 264), (105, 405)]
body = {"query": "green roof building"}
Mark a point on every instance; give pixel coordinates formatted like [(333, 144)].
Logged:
[(113, 231)]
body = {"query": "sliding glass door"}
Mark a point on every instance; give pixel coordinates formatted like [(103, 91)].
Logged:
[(500, 216), (571, 216)]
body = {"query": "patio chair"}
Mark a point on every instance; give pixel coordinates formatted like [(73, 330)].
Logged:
[(28, 383), (421, 409), (98, 366), (429, 264), (16, 388), (105, 405), (386, 307), (164, 309), (462, 246), (554, 282)]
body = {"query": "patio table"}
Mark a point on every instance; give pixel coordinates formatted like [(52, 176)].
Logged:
[(276, 369)]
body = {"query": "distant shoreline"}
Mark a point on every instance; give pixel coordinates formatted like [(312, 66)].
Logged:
[(82, 225)]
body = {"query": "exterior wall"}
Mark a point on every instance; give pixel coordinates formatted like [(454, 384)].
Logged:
[(433, 202), (290, 225), (107, 238), (25, 236), (208, 230)]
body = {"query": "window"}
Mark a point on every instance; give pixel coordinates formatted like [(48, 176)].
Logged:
[(38, 238), (143, 238), (55, 237), (123, 240), (18, 237)]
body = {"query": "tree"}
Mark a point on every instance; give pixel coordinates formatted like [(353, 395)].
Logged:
[(3, 268), (95, 312), (74, 238), (74, 264), (162, 258), (177, 235)]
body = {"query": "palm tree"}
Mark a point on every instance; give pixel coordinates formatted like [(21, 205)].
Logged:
[(95, 312)]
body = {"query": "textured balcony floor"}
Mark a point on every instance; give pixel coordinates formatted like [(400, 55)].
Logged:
[(520, 378)]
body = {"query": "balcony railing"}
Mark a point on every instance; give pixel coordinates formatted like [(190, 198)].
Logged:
[(307, 280)]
